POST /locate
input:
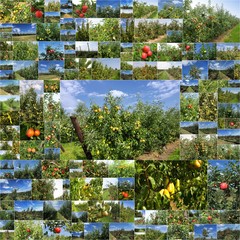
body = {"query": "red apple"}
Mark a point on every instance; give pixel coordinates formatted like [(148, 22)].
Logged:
[(57, 230), (209, 218), (149, 54), (144, 55), (81, 15), (125, 194), (187, 48), (84, 11), (28, 230), (78, 11), (231, 124), (38, 14), (84, 7), (223, 186), (33, 9), (146, 49)]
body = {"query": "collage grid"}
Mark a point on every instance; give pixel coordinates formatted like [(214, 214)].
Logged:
[(149, 87)]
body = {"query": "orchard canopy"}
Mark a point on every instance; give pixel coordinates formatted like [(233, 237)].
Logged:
[(112, 131)]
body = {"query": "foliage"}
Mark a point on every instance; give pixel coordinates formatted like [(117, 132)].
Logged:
[(48, 32), (25, 51), (82, 31), (52, 6), (21, 232), (143, 10), (103, 72), (108, 12), (147, 72), (189, 108), (109, 50), (224, 199), (208, 107), (169, 53), (127, 32), (153, 176), (112, 132), (148, 30), (204, 23), (109, 30), (170, 11), (200, 147)]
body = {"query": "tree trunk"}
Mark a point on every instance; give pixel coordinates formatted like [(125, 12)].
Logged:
[(81, 137)]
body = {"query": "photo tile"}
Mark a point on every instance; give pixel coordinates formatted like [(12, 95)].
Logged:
[(119, 119)]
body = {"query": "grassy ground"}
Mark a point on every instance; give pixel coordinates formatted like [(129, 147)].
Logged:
[(48, 77), (73, 151), (24, 38), (234, 35), (174, 155)]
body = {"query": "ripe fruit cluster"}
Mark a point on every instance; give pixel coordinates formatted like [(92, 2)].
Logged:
[(146, 52), (81, 12), (38, 13), (31, 132)]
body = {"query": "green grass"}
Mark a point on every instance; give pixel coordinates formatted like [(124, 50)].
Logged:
[(73, 151), (174, 155), (234, 35)]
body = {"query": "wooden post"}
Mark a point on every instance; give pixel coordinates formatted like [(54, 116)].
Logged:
[(81, 137)]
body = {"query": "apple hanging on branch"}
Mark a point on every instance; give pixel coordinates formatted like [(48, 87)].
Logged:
[(223, 186)]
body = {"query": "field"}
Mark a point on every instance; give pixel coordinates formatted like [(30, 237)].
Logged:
[(24, 38)]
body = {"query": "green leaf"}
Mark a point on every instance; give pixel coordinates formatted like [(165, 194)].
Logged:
[(152, 181)]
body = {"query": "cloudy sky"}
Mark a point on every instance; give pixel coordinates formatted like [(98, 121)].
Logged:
[(75, 91)]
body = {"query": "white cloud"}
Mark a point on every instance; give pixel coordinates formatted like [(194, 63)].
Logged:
[(117, 93), (95, 94), (71, 87)]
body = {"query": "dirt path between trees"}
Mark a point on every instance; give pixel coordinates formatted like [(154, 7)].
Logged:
[(156, 40), (169, 149)]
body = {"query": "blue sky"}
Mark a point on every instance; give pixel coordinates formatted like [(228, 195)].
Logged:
[(235, 106), (126, 2), (108, 181), (229, 132), (43, 66), (64, 231), (17, 65), (23, 163), (177, 3), (56, 204), (230, 5), (89, 227), (130, 180), (73, 92), (24, 28), (207, 125), (6, 171), (221, 164), (233, 90), (106, 3), (69, 20), (210, 227), (52, 14), (220, 65), (198, 46), (78, 21), (202, 65), (149, 2), (55, 150), (227, 46), (187, 124), (4, 83), (83, 46), (126, 45), (55, 45), (127, 204), (119, 226), (3, 162), (222, 227), (189, 83), (6, 186), (161, 228), (20, 206), (70, 31), (4, 222)]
